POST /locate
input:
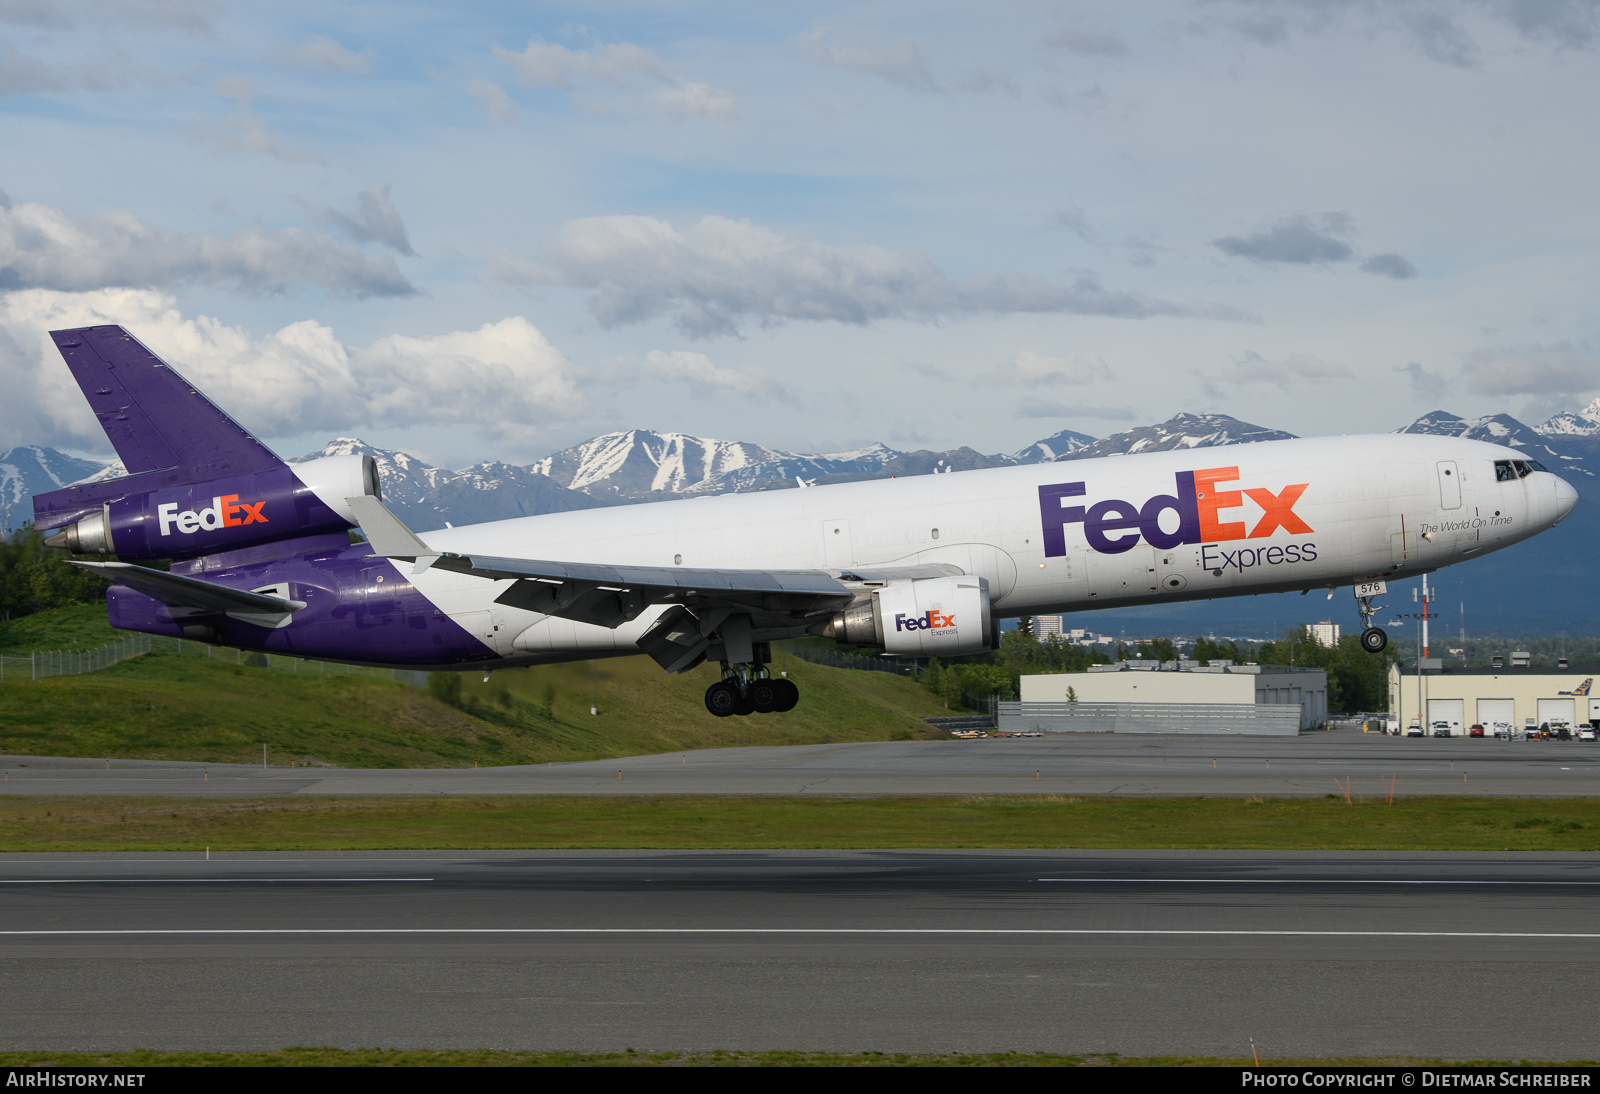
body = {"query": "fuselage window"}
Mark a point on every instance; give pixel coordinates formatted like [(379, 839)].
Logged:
[(1502, 471)]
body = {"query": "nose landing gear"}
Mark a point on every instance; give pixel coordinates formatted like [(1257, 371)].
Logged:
[(1373, 639)]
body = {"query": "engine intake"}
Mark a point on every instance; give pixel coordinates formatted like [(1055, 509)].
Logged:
[(941, 616)]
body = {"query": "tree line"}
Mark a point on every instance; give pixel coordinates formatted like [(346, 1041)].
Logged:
[(35, 578)]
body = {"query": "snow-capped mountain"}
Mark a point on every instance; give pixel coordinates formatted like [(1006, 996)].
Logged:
[(1055, 447), (1506, 430), (640, 465), (30, 469), (426, 497), (1179, 431), (1574, 423)]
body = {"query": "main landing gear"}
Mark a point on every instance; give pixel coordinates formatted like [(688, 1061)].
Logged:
[(1373, 639), (748, 688)]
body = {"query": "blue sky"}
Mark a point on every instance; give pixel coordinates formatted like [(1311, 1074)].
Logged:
[(491, 231)]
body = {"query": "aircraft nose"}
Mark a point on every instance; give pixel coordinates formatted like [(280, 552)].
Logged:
[(1566, 498)]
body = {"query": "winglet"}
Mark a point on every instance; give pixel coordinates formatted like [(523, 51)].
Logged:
[(388, 536)]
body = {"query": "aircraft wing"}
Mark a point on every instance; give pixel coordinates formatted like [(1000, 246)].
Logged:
[(611, 595), (190, 593)]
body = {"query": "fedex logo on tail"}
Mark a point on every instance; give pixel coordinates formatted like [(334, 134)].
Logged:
[(226, 511), (928, 621), (1201, 506)]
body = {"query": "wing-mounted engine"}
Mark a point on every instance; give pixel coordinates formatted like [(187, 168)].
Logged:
[(932, 617)]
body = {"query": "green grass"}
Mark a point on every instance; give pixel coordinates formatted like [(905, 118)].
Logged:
[(376, 1057), (80, 627), (191, 706), (468, 823)]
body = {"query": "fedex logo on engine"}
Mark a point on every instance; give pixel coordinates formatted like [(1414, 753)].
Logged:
[(928, 621), (226, 511), (1114, 526)]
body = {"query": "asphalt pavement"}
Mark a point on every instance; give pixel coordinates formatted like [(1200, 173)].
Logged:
[(1324, 953), (1304, 766)]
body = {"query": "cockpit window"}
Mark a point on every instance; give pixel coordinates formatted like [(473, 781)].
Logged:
[(1537, 466), (1503, 472), (1511, 470)]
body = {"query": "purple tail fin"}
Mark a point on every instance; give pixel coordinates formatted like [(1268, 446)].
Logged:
[(167, 433), (155, 418)]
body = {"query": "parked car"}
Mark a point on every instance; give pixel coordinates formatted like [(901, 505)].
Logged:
[(1531, 733), (1502, 730), (1586, 733), (1441, 729), (1475, 731), (1415, 730)]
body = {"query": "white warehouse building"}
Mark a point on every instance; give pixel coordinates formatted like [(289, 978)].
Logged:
[(1177, 697), (1493, 698)]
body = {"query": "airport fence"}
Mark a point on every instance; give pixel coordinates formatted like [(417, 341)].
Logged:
[(840, 660), (45, 664), (1228, 719)]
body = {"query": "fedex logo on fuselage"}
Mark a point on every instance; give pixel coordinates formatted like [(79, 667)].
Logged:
[(1114, 526), (226, 511), (928, 621)]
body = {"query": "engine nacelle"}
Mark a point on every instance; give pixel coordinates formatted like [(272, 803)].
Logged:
[(933, 617), (183, 521)]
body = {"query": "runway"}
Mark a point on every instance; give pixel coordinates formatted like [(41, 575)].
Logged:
[(1140, 953), (1304, 766)]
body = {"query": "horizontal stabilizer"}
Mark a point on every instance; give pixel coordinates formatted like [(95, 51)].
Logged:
[(387, 534), (190, 594)]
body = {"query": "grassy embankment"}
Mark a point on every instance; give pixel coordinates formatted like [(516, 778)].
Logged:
[(193, 707), (189, 825), (376, 1057)]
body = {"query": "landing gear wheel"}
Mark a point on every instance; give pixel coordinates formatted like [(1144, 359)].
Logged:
[(746, 704), (1374, 640), (722, 699), (765, 696), (789, 694)]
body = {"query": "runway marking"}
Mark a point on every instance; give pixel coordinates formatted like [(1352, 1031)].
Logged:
[(963, 931), (194, 880), (1285, 881)]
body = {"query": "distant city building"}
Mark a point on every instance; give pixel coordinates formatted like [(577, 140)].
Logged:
[(1046, 625), (1325, 633)]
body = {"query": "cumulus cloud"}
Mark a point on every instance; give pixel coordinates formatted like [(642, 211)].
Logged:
[(320, 54), (1425, 386), (622, 64), (189, 16), (696, 370), (245, 131), (698, 101), (1030, 369), (1033, 409), (1293, 370), (900, 63), (1561, 369), (375, 221), (501, 109), (1389, 265), (504, 378), (43, 247), (718, 273), (1298, 239)]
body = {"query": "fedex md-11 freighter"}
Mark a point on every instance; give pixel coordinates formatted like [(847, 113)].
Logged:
[(261, 558)]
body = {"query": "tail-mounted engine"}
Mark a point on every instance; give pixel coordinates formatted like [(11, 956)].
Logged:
[(942, 616), (225, 514)]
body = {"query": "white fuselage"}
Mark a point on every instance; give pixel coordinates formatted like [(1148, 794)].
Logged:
[(1280, 515)]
